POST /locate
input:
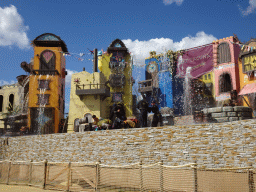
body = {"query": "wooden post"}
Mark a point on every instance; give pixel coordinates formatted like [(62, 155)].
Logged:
[(45, 173), (95, 63), (97, 176), (8, 173), (161, 176), (195, 176), (69, 175), (30, 172), (250, 179), (141, 177)]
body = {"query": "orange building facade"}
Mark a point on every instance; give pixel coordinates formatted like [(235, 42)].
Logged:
[(47, 85), (247, 74)]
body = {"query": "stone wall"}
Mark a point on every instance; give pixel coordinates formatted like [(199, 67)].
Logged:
[(227, 144), (229, 113)]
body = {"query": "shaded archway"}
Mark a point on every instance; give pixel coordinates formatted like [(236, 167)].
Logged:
[(225, 83)]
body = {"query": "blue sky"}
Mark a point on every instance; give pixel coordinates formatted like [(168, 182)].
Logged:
[(142, 25)]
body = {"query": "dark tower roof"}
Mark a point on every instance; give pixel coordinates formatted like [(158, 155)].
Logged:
[(117, 45), (50, 40)]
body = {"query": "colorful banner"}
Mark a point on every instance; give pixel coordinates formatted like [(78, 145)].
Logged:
[(195, 62)]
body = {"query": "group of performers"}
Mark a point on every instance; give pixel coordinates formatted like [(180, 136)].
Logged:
[(118, 119)]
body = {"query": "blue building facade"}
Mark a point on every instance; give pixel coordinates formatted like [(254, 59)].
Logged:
[(162, 85)]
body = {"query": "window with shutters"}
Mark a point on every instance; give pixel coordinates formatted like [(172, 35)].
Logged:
[(249, 63), (224, 53)]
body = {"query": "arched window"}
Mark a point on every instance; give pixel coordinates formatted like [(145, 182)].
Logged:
[(225, 83), (11, 102), (47, 61), (1, 103), (224, 53)]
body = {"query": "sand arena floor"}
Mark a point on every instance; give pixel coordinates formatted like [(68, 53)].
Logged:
[(20, 188)]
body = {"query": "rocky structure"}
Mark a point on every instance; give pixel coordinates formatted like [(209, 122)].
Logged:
[(226, 114)]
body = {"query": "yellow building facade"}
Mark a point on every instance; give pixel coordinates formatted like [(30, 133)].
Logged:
[(10, 101), (247, 74), (47, 85), (208, 79), (95, 93)]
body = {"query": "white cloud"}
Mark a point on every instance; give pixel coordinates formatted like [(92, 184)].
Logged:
[(141, 49), (169, 2), (12, 28), (250, 8), (3, 82), (68, 77)]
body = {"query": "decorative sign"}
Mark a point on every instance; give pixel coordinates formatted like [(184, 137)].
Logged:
[(200, 60), (117, 61), (117, 97), (47, 56), (117, 57)]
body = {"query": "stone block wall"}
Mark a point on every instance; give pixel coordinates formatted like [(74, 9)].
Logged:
[(226, 114), (230, 144)]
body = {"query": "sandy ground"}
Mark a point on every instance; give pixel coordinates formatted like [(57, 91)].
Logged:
[(20, 188)]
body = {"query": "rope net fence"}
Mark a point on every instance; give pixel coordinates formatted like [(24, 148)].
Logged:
[(236, 180), (74, 176)]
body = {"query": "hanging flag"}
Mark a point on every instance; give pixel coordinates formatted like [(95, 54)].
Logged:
[(66, 54), (91, 51), (81, 54), (198, 60)]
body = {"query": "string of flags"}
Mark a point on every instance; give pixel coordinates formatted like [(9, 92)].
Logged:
[(245, 47)]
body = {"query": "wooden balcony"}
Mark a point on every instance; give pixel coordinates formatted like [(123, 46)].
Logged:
[(93, 89), (145, 86)]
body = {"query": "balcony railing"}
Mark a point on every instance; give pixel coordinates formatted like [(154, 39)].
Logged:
[(45, 72), (93, 89), (145, 86)]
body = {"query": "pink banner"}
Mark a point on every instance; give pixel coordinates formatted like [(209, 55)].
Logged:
[(195, 62)]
